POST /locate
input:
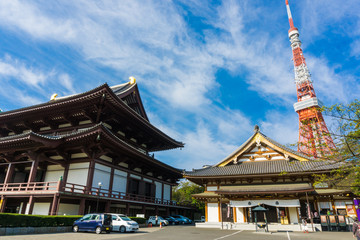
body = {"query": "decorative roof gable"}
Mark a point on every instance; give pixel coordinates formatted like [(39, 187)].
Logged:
[(261, 148)]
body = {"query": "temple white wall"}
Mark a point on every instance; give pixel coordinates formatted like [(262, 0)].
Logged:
[(41, 208), (78, 173), (213, 212), (211, 188), (68, 209), (167, 190), (293, 215), (53, 173), (240, 215), (120, 181), (102, 174), (158, 189)]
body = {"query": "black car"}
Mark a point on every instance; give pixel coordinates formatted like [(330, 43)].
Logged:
[(171, 220)]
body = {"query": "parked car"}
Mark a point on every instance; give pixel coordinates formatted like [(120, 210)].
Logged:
[(122, 223), (188, 220), (154, 221), (97, 222), (171, 220), (182, 219)]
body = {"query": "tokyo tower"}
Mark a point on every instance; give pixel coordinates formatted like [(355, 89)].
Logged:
[(314, 137)]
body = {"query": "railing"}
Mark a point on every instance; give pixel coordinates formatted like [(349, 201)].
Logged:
[(81, 189), (32, 186)]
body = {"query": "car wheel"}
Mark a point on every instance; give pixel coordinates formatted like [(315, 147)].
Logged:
[(98, 230), (122, 229), (75, 228), (173, 223)]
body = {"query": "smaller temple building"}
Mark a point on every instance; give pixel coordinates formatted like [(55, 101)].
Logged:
[(264, 172)]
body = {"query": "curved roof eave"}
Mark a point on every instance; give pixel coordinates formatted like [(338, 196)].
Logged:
[(114, 98)]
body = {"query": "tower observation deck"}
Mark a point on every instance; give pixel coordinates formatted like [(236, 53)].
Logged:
[(314, 137)]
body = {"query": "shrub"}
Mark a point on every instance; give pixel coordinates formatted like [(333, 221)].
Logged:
[(139, 220), (21, 220)]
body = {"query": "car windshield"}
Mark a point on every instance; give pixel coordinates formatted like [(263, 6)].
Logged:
[(125, 218)]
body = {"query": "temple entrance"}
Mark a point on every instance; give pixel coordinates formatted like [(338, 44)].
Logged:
[(271, 215), (227, 213)]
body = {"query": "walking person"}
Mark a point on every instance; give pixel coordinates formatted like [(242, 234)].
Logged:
[(305, 227), (356, 228)]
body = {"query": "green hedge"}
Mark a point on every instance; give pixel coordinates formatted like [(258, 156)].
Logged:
[(21, 220), (139, 220)]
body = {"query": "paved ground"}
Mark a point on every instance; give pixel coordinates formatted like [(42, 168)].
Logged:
[(186, 233)]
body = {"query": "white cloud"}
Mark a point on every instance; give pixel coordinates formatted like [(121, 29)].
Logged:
[(282, 127)]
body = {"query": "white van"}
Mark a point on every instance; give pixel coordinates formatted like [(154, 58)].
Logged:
[(122, 223)]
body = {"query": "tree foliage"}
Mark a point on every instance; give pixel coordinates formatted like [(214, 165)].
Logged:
[(346, 136), (182, 193)]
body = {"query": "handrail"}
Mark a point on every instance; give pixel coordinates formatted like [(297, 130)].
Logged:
[(77, 188)]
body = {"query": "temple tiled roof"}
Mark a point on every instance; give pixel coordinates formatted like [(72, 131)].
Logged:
[(263, 167)]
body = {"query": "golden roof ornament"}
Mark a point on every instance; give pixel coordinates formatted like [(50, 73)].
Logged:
[(132, 80)]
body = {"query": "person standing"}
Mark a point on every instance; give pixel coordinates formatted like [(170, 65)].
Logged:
[(156, 220), (305, 227), (356, 229)]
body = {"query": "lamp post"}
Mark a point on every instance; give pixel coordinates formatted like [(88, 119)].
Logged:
[(97, 201)]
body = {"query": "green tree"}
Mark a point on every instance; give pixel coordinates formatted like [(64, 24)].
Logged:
[(182, 194), (346, 136)]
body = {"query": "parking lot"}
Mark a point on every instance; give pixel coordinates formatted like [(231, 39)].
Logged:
[(184, 232)]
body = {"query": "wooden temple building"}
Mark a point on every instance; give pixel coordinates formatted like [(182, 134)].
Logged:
[(84, 153), (264, 172)]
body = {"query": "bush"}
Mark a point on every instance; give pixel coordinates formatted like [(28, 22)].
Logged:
[(21, 220), (139, 220)]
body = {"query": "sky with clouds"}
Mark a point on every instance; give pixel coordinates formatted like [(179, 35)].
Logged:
[(207, 71)]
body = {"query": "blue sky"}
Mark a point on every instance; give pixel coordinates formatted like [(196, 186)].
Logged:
[(208, 71)]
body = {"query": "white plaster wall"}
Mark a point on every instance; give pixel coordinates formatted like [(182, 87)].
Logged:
[(158, 189), (101, 174), (53, 173), (41, 208), (167, 190), (78, 173), (213, 212), (293, 215), (240, 215), (68, 209), (211, 188)]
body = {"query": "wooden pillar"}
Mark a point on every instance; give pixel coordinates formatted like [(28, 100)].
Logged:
[(90, 175), (9, 173), (127, 209), (33, 170), (111, 183), (234, 214), (55, 205), (333, 206), (245, 212), (219, 211), (66, 173), (162, 193), (3, 201), (23, 208), (107, 206), (82, 207), (31, 204), (206, 211)]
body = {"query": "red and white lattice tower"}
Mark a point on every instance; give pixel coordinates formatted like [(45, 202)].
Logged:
[(314, 137)]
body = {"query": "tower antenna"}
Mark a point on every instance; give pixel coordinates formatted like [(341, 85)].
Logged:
[(314, 137)]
